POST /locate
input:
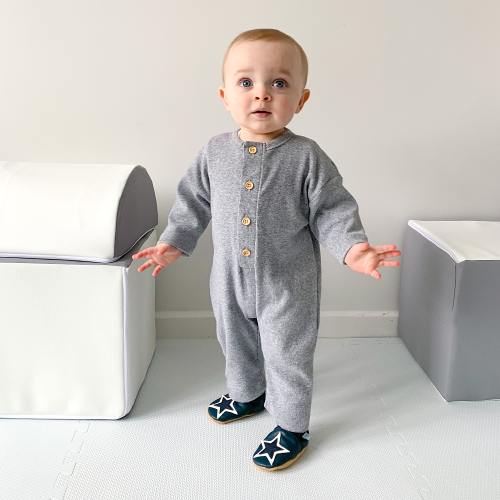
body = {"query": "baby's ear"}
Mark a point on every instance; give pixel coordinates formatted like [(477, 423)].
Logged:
[(222, 94)]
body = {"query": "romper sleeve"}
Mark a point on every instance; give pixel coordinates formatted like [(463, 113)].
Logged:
[(191, 211), (333, 212)]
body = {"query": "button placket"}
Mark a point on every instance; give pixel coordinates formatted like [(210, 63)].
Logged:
[(248, 204)]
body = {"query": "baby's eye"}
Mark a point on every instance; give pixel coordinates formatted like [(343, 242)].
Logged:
[(247, 80)]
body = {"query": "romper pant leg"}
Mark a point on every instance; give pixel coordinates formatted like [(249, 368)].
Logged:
[(289, 331), (233, 302)]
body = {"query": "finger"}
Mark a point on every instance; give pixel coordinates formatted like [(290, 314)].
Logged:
[(376, 274), (384, 255), (388, 263), (158, 268), (147, 264), (385, 248), (144, 253)]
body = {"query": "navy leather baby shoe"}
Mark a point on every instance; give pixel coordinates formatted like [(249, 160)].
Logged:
[(279, 449), (225, 409)]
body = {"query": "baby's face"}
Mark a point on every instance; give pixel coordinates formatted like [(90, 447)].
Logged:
[(267, 75)]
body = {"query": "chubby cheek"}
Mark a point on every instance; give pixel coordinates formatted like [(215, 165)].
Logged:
[(241, 104), (286, 110), (285, 105)]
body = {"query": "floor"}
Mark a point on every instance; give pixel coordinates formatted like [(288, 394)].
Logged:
[(379, 430)]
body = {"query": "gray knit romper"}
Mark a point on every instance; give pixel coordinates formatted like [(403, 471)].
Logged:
[(271, 206)]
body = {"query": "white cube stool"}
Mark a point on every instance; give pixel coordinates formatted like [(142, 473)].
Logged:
[(449, 305), (77, 320)]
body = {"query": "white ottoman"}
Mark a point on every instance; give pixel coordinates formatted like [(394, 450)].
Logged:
[(449, 305), (77, 321)]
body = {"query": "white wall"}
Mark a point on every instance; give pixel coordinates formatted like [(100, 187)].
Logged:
[(404, 99)]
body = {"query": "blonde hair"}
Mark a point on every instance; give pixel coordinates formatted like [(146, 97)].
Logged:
[(269, 35)]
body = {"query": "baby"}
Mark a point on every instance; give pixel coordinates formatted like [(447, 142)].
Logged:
[(273, 196)]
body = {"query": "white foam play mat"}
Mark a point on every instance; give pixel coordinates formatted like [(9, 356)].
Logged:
[(379, 430)]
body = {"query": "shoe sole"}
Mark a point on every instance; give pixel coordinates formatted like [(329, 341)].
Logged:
[(229, 421), (285, 465)]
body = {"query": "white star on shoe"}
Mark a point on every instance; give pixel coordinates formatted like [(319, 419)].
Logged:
[(274, 449), (229, 407)]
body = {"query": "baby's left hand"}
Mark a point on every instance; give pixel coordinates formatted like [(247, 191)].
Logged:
[(365, 259)]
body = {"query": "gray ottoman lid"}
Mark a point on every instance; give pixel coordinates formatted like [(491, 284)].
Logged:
[(87, 212), (462, 239)]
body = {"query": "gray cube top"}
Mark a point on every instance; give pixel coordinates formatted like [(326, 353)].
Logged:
[(84, 212), (462, 239)]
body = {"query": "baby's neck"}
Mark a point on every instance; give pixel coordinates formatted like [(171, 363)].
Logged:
[(282, 132)]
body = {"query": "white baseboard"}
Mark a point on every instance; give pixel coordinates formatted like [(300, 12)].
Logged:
[(332, 324)]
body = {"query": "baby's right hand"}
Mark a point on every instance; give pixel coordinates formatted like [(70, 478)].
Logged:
[(163, 254)]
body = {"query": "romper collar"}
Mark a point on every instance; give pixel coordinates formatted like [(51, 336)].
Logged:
[(288, 134)]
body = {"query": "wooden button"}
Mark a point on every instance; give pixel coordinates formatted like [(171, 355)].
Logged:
[(252, 149), (246, 252), (245, 221), (249, 185)]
